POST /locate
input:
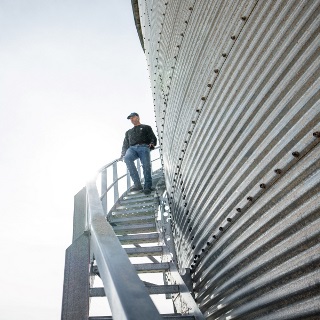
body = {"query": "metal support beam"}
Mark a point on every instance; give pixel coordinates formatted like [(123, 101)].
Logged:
[(75, 301), (104, 186)]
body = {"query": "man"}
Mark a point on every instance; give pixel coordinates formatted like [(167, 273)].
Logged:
[(137, 143)]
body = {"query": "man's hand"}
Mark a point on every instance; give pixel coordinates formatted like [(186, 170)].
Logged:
[(121, 158), (151, 146)]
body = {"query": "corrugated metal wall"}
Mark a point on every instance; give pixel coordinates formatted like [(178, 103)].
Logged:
[(236, 94)]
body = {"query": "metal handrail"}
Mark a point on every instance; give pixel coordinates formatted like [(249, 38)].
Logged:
[(124, 289), (105, 188)]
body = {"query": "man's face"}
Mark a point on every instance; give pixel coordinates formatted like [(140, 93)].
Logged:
[(135, 120)]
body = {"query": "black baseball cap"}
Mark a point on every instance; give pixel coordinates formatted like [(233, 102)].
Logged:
[(132, 114)]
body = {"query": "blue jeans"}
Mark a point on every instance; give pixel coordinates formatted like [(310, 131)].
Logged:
[(142, 152)]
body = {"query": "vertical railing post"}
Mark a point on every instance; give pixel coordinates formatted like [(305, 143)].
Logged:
[(115, 180), (104, 186), (139, 168), (128, 180)]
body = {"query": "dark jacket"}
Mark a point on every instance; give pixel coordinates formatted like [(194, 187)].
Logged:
[(138, 135)]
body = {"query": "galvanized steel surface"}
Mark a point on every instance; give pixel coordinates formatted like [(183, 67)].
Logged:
[(122, 285), (236, 94)]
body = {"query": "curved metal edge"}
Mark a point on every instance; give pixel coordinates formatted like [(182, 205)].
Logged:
[(136, 16)]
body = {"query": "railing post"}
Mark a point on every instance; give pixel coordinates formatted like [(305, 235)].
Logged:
[(115, 180), (139, 168), (128, 180), (104, 186)]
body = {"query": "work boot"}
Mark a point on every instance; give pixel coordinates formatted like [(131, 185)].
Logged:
[(136, 187)]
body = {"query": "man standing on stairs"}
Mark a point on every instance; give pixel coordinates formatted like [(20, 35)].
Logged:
[(137, 143)]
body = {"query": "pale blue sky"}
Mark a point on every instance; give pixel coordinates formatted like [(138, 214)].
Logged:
[(71, 71)]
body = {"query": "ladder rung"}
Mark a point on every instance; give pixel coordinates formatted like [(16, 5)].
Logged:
[(144, 251), (152, 267), (139, 238)]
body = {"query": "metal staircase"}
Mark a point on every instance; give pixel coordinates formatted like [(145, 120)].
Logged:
[(138, 227)]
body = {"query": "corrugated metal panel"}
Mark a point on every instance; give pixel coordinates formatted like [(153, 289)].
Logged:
[(236, 94)]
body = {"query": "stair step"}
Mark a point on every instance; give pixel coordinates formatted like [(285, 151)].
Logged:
[(152, 289), (144, 251), (146, 201), (174, 316), (136, 228), (135, 205), (139, 196), (139, 238), (133, 211), (131, 220), (152, 267), (163, 289)]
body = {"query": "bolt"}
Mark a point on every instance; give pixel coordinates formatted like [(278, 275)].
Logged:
[(229, 219), (202, 250), (190, 229), (203, 98), (192, 239), (209, 85), (193, 122), (244, 18), (190, 8), (188, 221), (198, 110), (250, 199), (296, 154), (221, 229), (238, 209), (216, 71), (233, 37), (262, 186), (224, 55), (208, 243), (278, 171), (316, 134), (214, 236)]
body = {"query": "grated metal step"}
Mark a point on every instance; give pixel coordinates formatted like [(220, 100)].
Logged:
[(139, 238), (152, 267), (139, 196), (175, 316), (137, 228), (144, 251), (114, 220), (133, 201), (133, 212)]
